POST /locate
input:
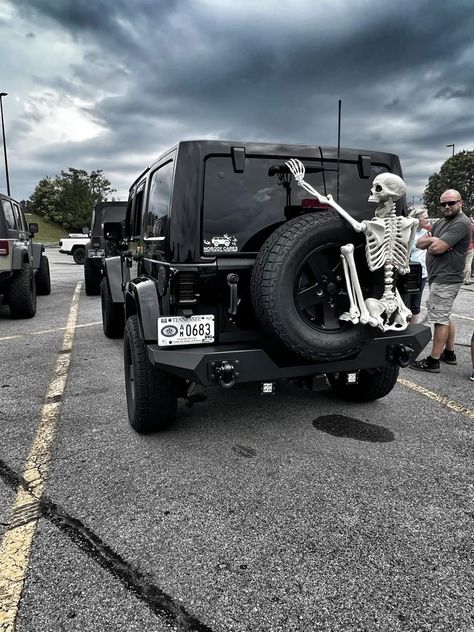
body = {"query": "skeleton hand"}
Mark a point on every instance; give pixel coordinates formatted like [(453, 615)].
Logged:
[(297, 169)]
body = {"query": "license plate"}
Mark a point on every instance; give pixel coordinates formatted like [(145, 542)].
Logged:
[(94, 254), (178, 330)]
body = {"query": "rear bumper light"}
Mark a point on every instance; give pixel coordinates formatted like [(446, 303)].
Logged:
[(4, 250)]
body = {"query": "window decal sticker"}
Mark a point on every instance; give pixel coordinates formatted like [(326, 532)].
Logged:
[(221, 243)]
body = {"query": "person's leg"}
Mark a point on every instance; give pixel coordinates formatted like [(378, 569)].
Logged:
[(451, 336), (414, 304), (472, 356), (440, 337), (440, 303)]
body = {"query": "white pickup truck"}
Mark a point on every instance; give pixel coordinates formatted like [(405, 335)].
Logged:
[(74, 245)]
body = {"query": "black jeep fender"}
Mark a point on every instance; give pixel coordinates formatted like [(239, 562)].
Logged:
[(113, 274), (141, 298)]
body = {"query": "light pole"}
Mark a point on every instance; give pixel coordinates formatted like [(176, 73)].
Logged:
[(4, 94), (452, 145)]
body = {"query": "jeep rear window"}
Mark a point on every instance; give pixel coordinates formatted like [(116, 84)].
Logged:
[(241, 209), (106, 214)]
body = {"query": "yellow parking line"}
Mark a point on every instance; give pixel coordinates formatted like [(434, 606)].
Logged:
[(15, 546), (444, 401), (48, 331)]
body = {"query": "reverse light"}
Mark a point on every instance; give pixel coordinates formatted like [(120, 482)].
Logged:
[(3, 247)]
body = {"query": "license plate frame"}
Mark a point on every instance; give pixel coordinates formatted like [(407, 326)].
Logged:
[(176, 331)]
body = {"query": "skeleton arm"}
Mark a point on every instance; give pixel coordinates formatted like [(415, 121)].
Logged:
[(297, 169), (412, 235)]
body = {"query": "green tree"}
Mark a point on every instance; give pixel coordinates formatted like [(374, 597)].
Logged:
[(69, 199), (44, 199), (457, 173)]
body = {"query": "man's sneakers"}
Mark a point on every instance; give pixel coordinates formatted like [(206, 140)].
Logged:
[(472, 377), (428, 364), (432, 365), (449, 357)]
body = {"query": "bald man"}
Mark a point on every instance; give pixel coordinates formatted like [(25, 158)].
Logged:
[(446, 253)]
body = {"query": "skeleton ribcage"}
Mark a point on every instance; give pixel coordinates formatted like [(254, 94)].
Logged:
[(386, 243)]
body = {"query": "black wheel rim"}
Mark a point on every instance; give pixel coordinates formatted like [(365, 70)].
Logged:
[(320, 292)]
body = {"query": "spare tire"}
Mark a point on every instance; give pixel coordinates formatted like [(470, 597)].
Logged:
[(299, 290)]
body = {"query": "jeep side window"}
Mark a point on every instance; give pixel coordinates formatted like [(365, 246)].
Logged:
[(134, 213), (159, 201), (9, 216), (19, 218)]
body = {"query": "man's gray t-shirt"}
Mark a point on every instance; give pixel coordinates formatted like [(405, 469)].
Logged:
[(449, 267)]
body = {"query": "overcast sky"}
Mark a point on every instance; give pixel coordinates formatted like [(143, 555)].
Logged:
[(109, 84)]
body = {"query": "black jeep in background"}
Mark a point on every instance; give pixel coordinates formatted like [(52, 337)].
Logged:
[(105, 240), (24, 269), (235, 275)]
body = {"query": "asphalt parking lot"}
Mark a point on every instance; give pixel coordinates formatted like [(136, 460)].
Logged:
[(290, 512)]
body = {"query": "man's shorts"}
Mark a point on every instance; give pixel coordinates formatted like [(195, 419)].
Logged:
[(440, 302)]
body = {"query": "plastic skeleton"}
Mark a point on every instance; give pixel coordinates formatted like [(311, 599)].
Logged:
[(389, 239)]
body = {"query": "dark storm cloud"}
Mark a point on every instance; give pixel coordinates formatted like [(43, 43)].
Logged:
[(185, 69)]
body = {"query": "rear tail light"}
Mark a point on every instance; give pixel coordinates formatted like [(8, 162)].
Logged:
[(3, 247), (185, 288)]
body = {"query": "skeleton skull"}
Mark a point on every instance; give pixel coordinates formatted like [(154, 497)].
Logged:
[(385, 186)]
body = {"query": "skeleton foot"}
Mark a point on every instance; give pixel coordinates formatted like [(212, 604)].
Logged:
[(353, 315)]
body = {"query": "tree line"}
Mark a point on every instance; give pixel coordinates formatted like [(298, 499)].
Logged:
[(68, 199)]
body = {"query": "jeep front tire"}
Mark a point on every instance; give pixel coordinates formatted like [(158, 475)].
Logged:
[(298, 287), (43, 277), (151, 393)]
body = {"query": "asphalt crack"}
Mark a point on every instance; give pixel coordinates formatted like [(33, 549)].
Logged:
[(137, 582)]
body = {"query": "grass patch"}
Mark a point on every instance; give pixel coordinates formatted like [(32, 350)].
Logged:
[(49, 232)]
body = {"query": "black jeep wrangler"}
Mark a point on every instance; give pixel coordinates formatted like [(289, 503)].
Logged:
[(236, 276), (105, 240), (24, 269)]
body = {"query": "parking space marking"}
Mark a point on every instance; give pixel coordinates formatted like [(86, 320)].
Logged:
[(465, 317), (444, 401), (49, 331), (15, 546)]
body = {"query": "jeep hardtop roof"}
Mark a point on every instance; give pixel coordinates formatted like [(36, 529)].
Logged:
[(323, 153)]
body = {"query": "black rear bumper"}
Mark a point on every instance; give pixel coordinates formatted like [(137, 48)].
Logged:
[(252, 363)]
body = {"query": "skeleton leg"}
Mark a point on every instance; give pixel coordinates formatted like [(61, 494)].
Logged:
[(354, 313), (353, 287)]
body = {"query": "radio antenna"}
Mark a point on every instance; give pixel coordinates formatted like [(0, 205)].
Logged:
[(338, 148)]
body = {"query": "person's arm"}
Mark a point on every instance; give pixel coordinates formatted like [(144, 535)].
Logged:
[(424, 242), (438, 246)]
